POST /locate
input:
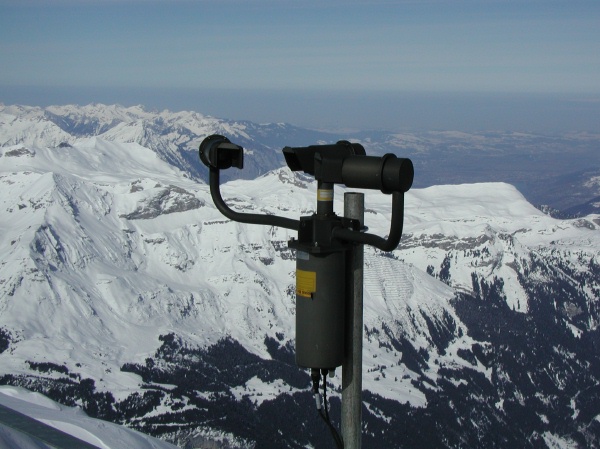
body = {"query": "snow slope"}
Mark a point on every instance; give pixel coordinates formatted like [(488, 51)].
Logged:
[(72, 421)]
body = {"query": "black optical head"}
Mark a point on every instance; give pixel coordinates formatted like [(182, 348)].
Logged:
[(307, 159), (218, 152)]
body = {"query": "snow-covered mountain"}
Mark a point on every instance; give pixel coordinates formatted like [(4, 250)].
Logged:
[(125, 292), (174, 136)]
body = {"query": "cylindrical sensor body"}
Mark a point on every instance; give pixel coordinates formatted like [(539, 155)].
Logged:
[(387, 173), (320, 309)]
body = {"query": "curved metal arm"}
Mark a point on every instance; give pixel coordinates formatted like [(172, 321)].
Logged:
[(389, 244), (270, 220)]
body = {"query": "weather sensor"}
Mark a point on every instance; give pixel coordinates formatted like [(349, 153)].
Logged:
[(324, 243)]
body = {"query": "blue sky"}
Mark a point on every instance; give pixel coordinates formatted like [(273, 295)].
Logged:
[(352, 48)]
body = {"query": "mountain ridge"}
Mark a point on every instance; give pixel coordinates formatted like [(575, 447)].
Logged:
[(555, 172)]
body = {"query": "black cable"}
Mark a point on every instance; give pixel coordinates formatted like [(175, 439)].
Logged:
[(325, 416)]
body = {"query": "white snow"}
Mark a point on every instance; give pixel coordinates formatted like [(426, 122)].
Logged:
[(558, 442)]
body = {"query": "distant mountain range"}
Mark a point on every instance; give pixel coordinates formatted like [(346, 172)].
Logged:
[(125, 292), (558, 172)]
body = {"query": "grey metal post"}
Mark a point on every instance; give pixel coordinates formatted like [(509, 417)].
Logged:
[(354, 207)]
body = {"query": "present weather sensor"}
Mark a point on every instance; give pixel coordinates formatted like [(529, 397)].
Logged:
[(324, 243)]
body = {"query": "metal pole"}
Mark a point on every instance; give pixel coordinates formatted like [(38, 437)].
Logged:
[(354, 207)]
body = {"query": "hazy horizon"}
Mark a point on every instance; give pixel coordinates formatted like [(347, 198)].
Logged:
[(356, 64), (346, 110)]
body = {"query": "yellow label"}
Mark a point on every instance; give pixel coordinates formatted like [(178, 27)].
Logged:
[(306, 283), (324, 195)]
